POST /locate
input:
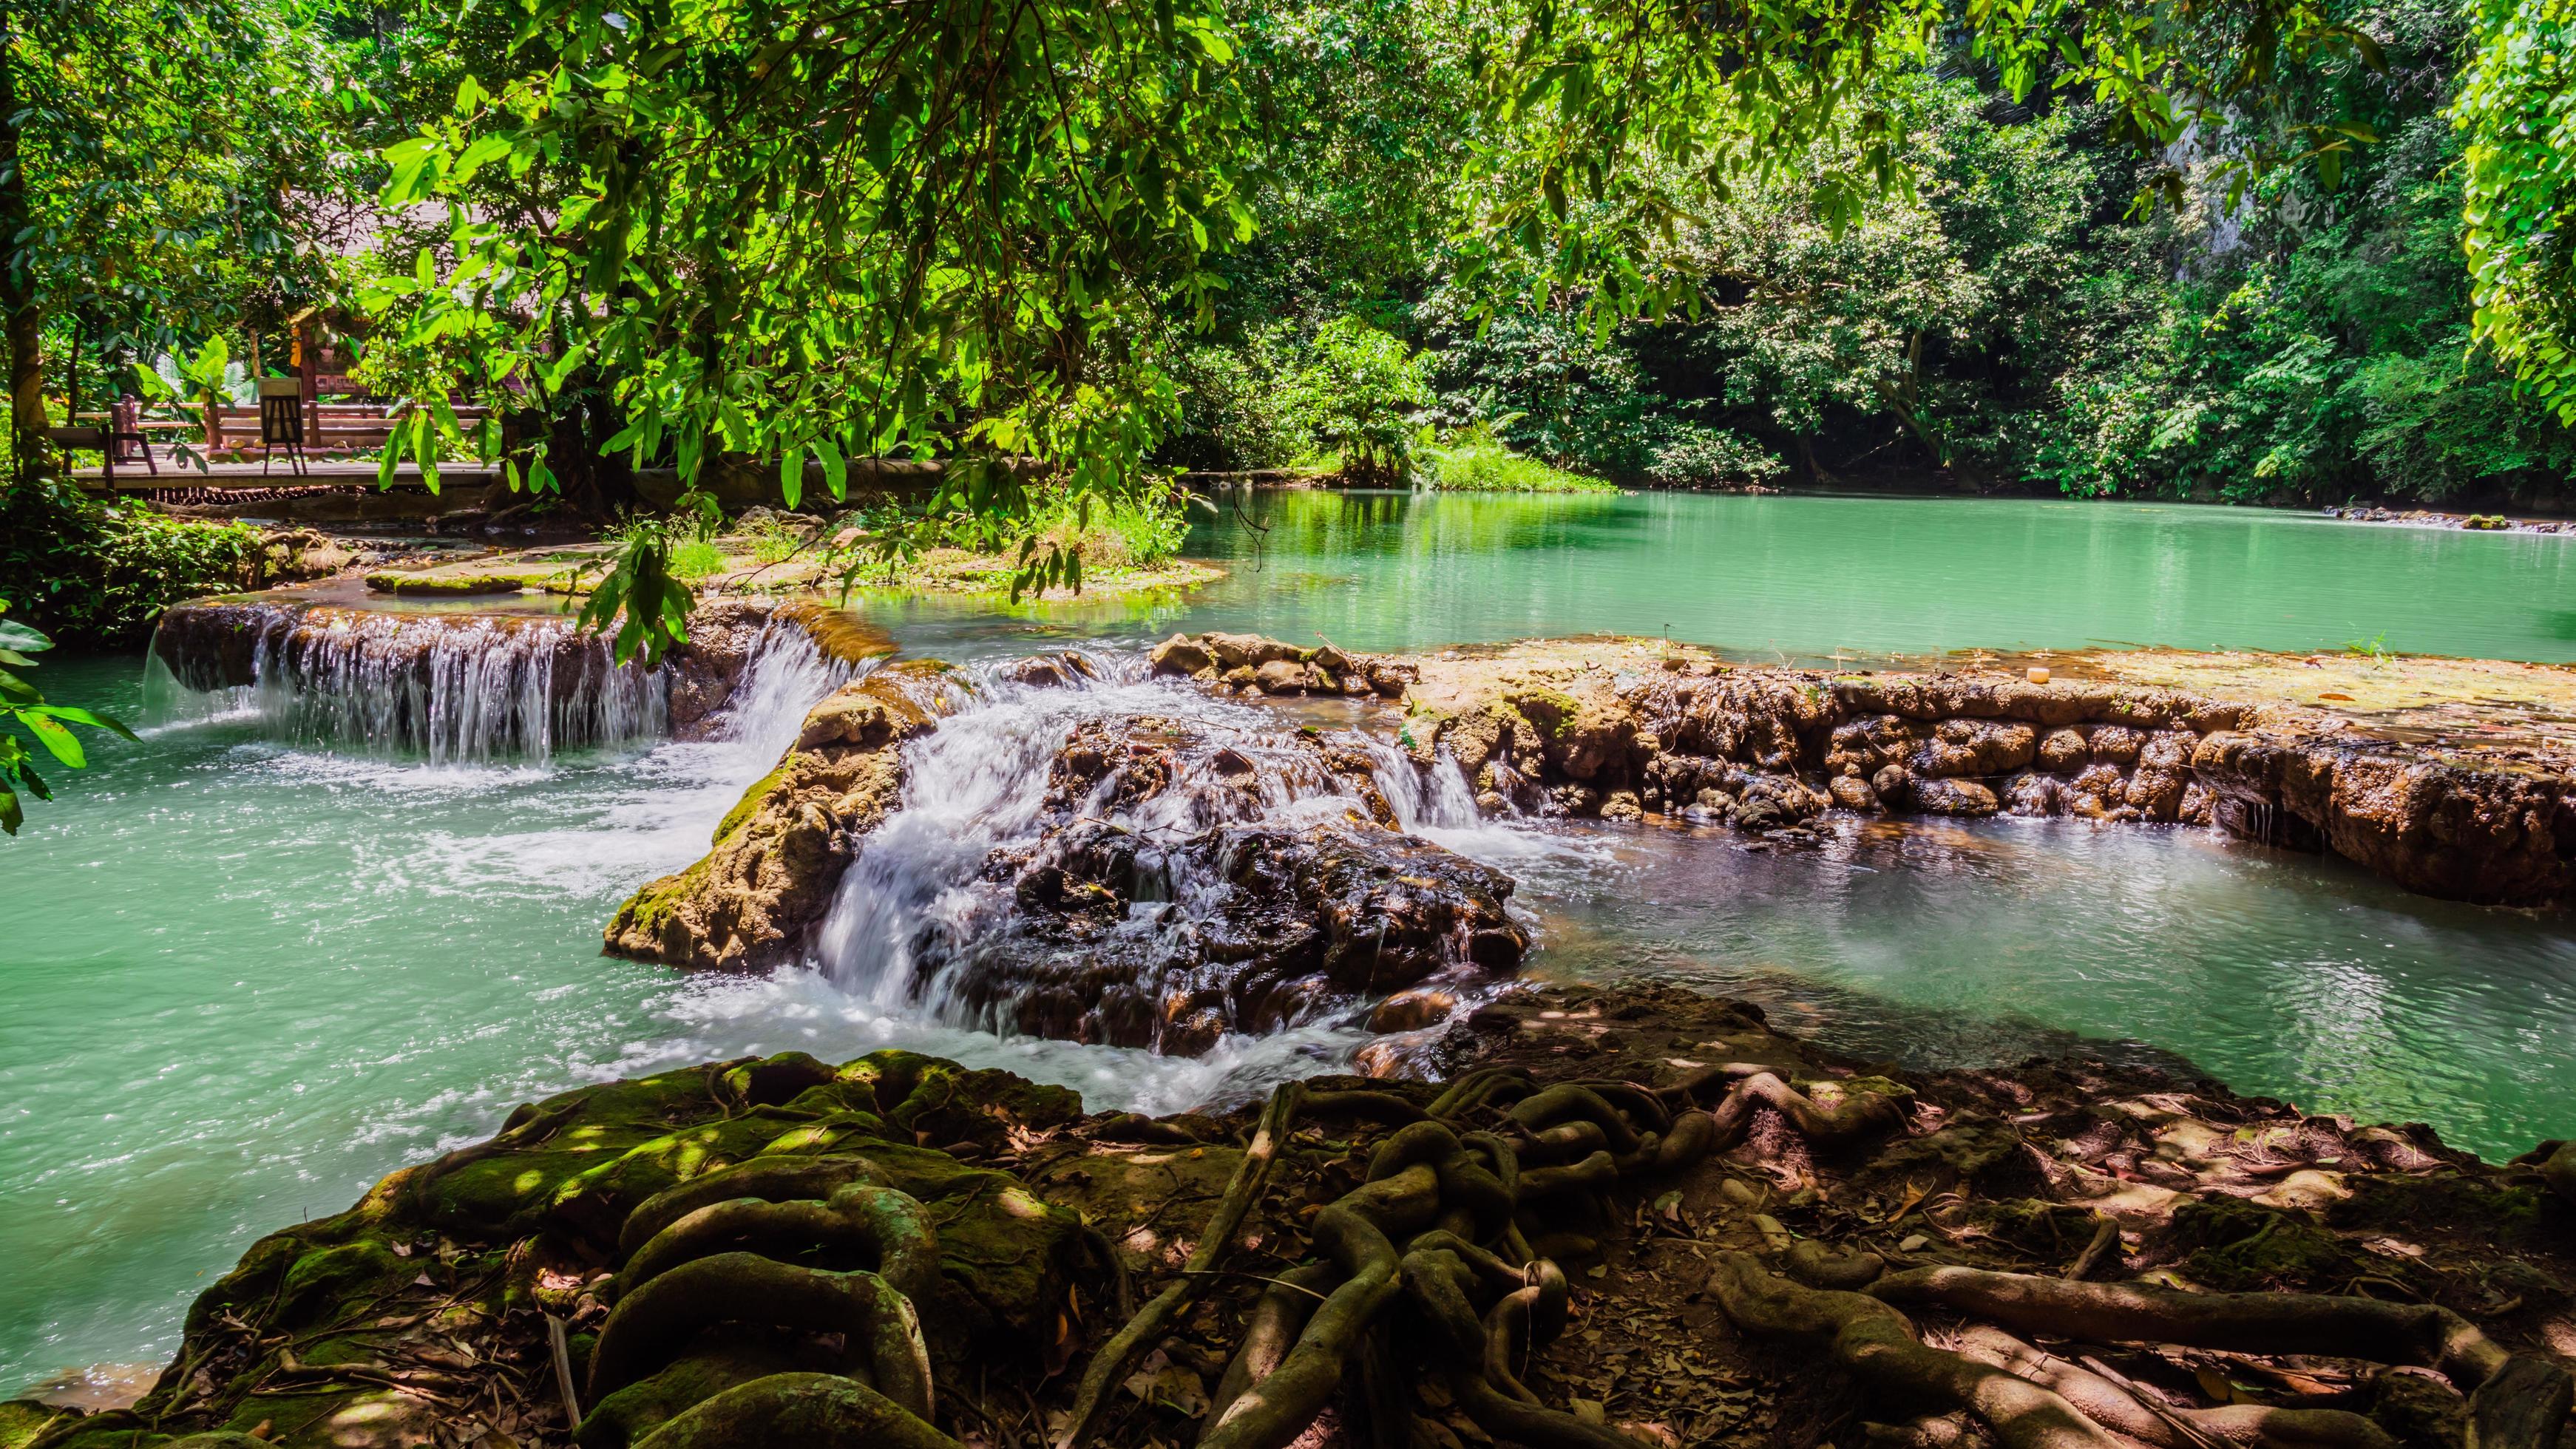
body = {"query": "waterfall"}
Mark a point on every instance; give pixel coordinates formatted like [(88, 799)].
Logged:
[(785, 674), (932, 917), (447, 688)]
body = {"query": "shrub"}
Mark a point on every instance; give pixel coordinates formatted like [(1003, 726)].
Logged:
[(1692, 455), (1358, 398), (100, 572), (1476, 462), (696, 559)]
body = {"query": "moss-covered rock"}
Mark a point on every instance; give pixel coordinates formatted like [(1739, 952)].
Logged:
[(752, 903)]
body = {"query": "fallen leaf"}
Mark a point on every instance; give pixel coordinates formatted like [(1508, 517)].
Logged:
[(1913, 1195), (1173, 1385)]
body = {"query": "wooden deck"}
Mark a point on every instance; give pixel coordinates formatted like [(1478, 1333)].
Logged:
[(318, 472)]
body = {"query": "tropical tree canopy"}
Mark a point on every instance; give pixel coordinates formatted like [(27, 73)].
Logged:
[(771, 231), (2518, 106)]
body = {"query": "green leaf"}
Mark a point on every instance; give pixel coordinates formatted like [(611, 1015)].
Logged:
[(23, 637), (836, 469), (73, 714), (61, 743)]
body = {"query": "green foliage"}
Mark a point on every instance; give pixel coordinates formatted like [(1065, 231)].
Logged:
[(1691, 455), (696, 560), (101, 572), (1141, 529), (774, 541), (2333, 353), (1476, 462), (2517, 104), (1357, 397), (50, 725), (778, 248), (1230, 415), (176, 165), (961, 229), (638, 591)]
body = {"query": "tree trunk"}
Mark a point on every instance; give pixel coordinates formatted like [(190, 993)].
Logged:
[(21, 319)]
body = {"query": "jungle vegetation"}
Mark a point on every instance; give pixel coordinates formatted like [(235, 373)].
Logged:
[(2288, 251)]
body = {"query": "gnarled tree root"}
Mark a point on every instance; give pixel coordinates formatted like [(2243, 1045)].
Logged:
[(2411, 1333), (1277, 1317), (1857, 1116), (770, 1179), (1109, 1365), (655, 1324), (2117, 1407), (806, 1411), (885, 1227), (1440, 1195), (2035, 1400), (1879, 1348)]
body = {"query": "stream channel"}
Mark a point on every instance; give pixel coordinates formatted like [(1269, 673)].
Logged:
[(256, 962)]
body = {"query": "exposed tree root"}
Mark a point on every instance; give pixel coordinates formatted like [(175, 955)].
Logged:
[(2558, 1169), (1388, 1277), (882, 1226), (1110, 1364), (2124, 1410), (1879, 1347), (2034, 1400), (2308, 1323), (770, 1179), (1857, 1115), (1277, 1318), (808, 1411), (657, 1322)]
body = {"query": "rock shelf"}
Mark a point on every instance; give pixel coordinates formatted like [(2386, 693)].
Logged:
[(1623, 729)]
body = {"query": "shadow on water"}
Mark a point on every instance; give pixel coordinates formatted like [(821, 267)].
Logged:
[(1944, 944)]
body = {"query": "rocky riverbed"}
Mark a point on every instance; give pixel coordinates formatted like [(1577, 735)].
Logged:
[(1640, 1218)]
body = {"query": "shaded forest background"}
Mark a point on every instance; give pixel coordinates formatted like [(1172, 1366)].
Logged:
[(2014, 324)]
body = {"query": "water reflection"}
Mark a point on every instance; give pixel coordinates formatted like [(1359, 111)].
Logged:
[(1804, 578)]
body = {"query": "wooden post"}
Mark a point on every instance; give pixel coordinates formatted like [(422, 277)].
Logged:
[(305, 355)]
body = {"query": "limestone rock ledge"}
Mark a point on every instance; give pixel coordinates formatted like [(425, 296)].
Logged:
[(1621, 729), (752, 903)]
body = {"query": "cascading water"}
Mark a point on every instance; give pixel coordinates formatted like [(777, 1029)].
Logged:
[(1108, 858), (447, 688)]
